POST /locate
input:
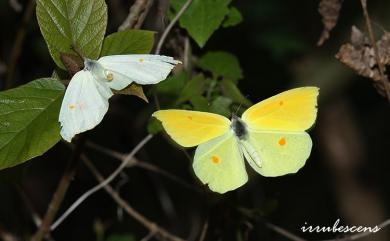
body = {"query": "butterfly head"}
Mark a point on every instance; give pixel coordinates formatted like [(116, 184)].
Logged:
[(90, 64), (239, 127), (97, 70)]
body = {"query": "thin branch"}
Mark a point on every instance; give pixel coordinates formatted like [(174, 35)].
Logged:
[(106, 151), (283, 232), (6, 236), (170, 26), (137, 14), (361, 235), (15, 5), (149, 236), (204, 230), (381, 67), (151, 226), (60, 192), (96, 188), (17, 47), (144, 165)]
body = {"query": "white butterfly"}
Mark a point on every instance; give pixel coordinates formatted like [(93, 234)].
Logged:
[(86, 98)]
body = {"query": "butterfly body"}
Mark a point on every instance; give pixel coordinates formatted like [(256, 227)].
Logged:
[(270, 135)]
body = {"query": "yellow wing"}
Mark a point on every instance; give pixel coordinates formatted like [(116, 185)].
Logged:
[(191, 128), (292, 110)]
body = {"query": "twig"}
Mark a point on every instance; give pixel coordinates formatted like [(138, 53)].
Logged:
[(149, 236), (153, 227), (170, 26), (6, 236), (283, 232), (137, 14), (96, 188), (376, 52), (17, 47), (106, 151), (144, 165), (361, 235), (15, 5), (204, 230), (60, 192)]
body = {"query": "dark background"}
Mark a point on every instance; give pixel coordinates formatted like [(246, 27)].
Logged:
[(346, 177)]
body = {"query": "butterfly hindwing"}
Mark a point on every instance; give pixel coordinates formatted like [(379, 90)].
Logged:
[(140, 68), (220, 164), (84, 105), (191, 128), (279, 152), (292, 110)]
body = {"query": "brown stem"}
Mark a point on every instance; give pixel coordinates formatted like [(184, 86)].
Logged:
[(60, 192), (19, 40), (137, 14), (170, 26), (376, 52), (153, 227)]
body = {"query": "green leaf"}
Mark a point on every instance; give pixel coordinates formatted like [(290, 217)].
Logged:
[(221, 106), (221, 64), (281, 43), (193, 88), (128, 42), (230, 90), (202, 18), (29, 120), (173, 84), (233, 18), (80, 23), (200, 103), (154, 126), (121, 237)]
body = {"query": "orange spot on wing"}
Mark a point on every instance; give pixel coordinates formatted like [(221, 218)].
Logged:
[(281, 102), (215, 159), (282, 141)]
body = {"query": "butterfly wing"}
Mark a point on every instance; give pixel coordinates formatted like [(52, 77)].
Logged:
[(277, 143), (277, 153), (84, 106), (140, 68), (292, 110), (220, 164), (191, 128)]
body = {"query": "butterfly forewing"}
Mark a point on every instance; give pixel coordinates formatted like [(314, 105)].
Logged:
[(191, 128), (292, 110), (144, 69)]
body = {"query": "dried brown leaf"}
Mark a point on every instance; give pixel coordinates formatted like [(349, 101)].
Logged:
[(329, 10), (133, 89), (359, 55)]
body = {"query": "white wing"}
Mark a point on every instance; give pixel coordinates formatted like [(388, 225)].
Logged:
[(84, 106), (140, 68)]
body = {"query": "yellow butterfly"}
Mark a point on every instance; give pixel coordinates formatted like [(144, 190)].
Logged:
[(270, 135)]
